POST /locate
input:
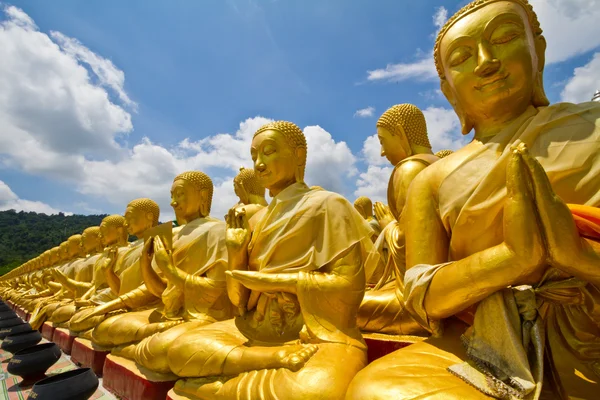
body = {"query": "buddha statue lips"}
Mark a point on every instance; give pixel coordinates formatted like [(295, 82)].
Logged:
[(296, 279), (493, 253)]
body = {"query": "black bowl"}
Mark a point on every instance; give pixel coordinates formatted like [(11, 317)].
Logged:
[(19, 341), (32, 363), (7, 315), (22, 327), (77, 384), (7, 323)]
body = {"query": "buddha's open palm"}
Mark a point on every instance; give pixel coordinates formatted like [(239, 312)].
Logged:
[(110, 259), (383, 214), (238, 230)]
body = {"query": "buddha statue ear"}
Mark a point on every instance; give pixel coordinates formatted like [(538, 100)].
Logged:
[(204, 203), (465, 122), (539, 95), (300, 163)]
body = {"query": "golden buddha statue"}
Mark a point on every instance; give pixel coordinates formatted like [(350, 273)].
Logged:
[(189, 291), (250, 192), (493, 252), (112, 233), (402, 132), (297, 281), (78, 270), (364, 206), (121, 268)]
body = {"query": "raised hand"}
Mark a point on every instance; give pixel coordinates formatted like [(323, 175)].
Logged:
[(162, 256), (383, 214), (522, 232), (238, 230), (110, 259)]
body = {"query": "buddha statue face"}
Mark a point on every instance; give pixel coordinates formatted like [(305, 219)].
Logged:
[(364, 206), (393, 147), (112, 230), (54, 255), (191, 196), (90, 240), (140, 215), (279, 158), (491, 63), (74, 247), (64, 251)]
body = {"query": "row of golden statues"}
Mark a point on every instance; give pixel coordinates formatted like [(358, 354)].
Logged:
[(490, 254)]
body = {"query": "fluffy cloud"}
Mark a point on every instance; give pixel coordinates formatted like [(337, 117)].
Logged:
[(422, 69), (584, 82), (10, 201), (365, 112), (374, 183), (440, 17), (444, 129), (59, 121)]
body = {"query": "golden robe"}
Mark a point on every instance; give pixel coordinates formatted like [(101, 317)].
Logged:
[(560, 311), (302, 230), (198, 247)]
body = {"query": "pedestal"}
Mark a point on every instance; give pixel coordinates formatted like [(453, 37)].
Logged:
[(63, 339), (123, 378), (84, 354), (379, 345), (47, 331)]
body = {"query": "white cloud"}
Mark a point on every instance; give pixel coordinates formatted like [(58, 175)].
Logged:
[(365, 112), (422, 69), (371, 151), (10, 201), (570, 27), (584, 82), (374, 183), (444, 129), (440, 17)]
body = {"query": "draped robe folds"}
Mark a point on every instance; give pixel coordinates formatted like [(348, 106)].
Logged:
[(559, 339), (382, 309), (198, 247), (300, 231)]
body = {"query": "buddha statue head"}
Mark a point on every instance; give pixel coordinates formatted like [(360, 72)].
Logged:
[(74, 247), (90, 240), (141, 215), (443, 153), (364, 206), (113, 231), (55, 255), (191, 196), (402, 132), (279, 154), (490, 59), (64, 251), (247, 187)]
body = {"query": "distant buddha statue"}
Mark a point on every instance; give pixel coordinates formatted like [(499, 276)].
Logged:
[(443, 153), (248, 189), (402, 132), (296, 280), (112, 234), (122, 271), (364, 206), (494, 255), (190, 289)]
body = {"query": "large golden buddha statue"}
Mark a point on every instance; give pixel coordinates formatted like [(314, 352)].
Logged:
[(121, 267), (112, 234), (402, 132), (191, 285), (493, 253), (297, 281), (364, 206)]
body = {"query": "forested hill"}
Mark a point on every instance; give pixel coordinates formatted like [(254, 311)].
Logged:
[(24, 235)]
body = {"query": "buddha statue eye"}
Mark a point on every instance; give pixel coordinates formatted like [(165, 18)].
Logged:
[(459, 56), (505, 34)]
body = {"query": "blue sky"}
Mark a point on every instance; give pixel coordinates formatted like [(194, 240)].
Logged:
[(161, 80)]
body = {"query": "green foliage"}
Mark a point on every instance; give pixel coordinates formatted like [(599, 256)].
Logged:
[(24, 235)]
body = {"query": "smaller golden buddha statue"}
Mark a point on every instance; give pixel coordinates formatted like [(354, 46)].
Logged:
[(364, 206), (296, 279), (191, 284), (248, 189), (121, 267), (402, 132)]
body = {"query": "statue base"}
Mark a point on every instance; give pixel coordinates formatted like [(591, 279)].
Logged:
[(63, 339), (379, 345), (47, 331), (126, 380), (84, 354)]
